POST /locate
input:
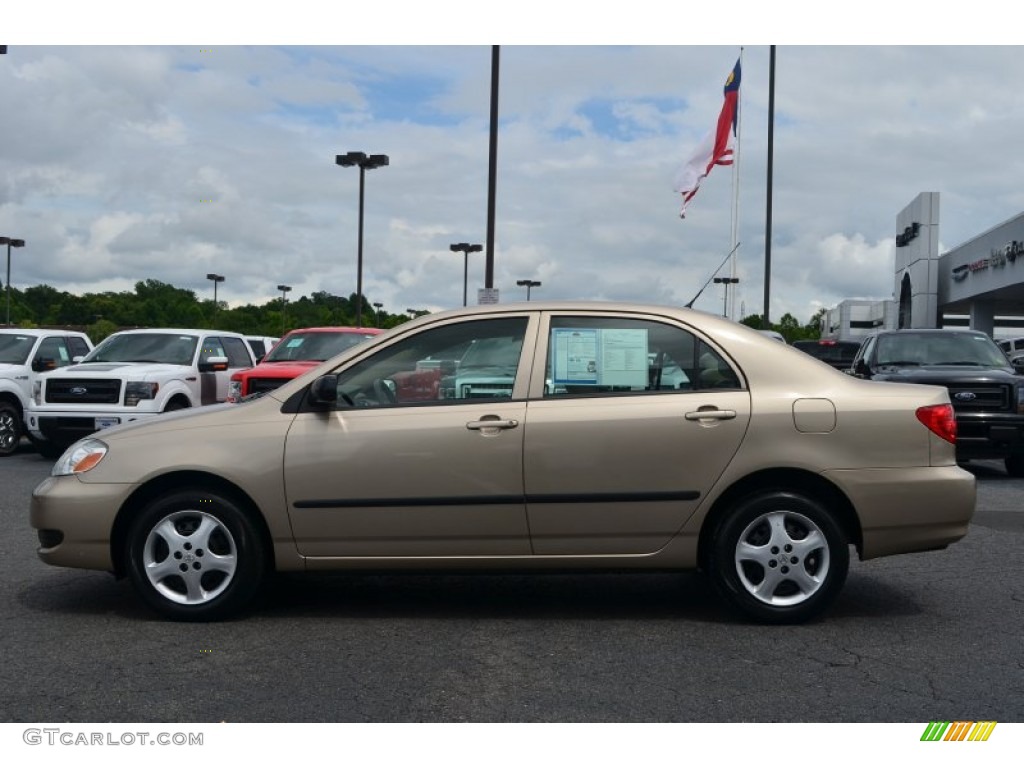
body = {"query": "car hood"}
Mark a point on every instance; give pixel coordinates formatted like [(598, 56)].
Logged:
[(289, 368), (135, 370)]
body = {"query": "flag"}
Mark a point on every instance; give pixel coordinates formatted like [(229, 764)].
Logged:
[(716, 148)]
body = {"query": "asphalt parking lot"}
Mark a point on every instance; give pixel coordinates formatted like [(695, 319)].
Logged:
[(913, 638)]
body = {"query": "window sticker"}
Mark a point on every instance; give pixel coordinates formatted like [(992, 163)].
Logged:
[(608, 357)]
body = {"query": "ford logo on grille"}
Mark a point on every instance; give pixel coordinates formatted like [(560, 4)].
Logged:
[(79, 391), (965, 396)]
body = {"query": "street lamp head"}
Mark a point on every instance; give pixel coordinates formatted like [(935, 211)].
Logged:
[(350, 158), (528, 283), (215, 277), (12, 241), (364, 161), (284, 288)]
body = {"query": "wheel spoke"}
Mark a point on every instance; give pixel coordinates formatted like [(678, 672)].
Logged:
[(157, 572), (807, 583), (166, 531), (200, 538), (812, 542), (747, 552), (766, 589), (223, 563)]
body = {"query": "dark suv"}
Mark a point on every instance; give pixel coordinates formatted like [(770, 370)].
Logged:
[(986, 391), (838, 354)]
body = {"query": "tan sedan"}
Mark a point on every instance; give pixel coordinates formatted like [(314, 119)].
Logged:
[(533, 436)]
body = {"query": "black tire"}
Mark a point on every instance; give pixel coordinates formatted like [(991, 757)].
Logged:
[(1015, 465), (175, 405), (11, 428), (757, 557), (214, 555)]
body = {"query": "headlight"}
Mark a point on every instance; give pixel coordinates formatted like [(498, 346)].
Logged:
[(134, 391), (80, 457), (234, 391), (37, 392)]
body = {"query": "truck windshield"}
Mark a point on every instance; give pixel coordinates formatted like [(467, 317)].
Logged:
[(314, 345), (940, 349), (15, 348), (168, 348)]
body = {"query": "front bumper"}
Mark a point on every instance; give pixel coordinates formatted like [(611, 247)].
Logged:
[(988, 436), (75, 521), (65, 427)]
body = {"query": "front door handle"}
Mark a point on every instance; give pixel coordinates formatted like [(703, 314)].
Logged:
[(711, 413), (488, 423)]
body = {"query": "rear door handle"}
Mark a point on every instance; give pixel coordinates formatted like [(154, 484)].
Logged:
[(711, 413)]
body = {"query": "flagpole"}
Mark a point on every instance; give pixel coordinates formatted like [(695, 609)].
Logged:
[(734, 242)]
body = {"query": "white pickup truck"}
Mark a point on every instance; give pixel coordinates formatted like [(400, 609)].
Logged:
[(134, 376), (24, 353)]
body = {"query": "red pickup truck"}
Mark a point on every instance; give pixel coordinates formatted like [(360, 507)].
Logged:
[(293, 355)]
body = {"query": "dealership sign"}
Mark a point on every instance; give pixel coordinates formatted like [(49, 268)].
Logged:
[(997, 258)]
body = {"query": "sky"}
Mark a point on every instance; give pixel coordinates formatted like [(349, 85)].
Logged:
[(170, 148)]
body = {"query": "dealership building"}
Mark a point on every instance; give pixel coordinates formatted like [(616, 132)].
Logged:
[(979, 283)]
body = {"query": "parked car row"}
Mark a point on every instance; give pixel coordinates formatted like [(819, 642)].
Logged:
[(587, 436)]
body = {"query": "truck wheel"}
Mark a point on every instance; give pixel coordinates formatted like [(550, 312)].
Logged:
[(1015, 465), (11, 429)]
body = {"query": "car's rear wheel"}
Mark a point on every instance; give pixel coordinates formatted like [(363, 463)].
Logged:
[(11, 429), (194, 555), (779, 557)]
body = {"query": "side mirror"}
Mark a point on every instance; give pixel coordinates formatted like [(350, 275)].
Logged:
[(861, 370), (41, 364), (213, 364), (324, 390)]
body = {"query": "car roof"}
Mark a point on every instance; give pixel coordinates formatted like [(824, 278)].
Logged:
[(41, 331), (181, 331), (335, 329)]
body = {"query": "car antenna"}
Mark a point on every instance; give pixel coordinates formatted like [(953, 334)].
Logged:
[(730, 253)]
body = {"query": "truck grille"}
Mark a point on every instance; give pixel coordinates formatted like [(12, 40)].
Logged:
[(264, 385), (83, 391), (983, 397)]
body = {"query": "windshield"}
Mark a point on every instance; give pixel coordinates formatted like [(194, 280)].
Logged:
[(314, 345), (940, 349), (169, 348), (15, 348)]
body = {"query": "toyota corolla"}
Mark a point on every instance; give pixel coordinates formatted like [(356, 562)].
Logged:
[(611, 437)]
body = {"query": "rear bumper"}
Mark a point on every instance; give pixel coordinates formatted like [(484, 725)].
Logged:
[(911, 509)]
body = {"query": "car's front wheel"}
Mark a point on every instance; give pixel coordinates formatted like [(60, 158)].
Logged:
[(195, 555), (779, 557)]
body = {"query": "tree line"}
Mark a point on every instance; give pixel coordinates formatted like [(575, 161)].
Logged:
[(155, 304)]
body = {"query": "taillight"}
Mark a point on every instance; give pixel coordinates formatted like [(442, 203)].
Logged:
[(940, 419)]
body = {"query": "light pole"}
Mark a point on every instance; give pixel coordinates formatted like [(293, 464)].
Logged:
[(414, 313), (466, 248), (216, 279), (365, 163), (10, 242), (727, 281), (528, 284), (284, 302), (378, 305)]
